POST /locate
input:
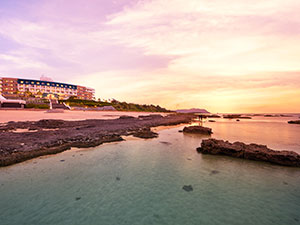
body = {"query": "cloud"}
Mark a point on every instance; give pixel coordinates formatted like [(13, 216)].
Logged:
[(223, 55), (228, 37)]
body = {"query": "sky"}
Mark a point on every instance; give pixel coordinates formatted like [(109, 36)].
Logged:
[(225, 56)]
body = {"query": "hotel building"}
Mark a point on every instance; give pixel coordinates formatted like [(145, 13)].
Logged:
[(22, 88)]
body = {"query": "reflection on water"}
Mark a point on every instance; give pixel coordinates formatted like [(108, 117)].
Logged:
[(140, 182), (274, 132)]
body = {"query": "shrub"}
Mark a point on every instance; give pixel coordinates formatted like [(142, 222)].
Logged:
[(37, 106)]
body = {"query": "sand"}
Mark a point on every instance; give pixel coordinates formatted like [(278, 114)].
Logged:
[(35, 115)]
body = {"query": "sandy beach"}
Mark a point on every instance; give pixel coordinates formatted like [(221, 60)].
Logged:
[(35, 115)]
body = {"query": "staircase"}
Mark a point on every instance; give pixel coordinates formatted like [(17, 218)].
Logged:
[(54, 104)]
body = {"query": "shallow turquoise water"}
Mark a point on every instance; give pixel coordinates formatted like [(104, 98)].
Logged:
[(83, 188)]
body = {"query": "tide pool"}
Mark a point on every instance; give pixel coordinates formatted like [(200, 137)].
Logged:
[(140, 182)]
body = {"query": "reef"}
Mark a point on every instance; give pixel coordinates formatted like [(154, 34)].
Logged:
[(198, 130), (249, 151), (21, 141)]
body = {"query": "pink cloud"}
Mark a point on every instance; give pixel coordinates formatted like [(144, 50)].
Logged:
[(188, 53)]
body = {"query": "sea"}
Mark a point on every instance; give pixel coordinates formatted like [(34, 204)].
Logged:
[(140, 182)]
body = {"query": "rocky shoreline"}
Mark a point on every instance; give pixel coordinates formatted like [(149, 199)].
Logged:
[(251, 151), (21, 141)]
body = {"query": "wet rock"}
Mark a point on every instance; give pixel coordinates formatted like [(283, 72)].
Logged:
[(213, 116), (126, 117), (49, 124), (145, 133), (252, 152), (236, 116), (151, 117), (198, 130), (54, 136), (187, 188), (282, 115), (294, 122)]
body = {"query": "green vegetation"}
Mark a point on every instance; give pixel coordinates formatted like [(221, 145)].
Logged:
[(124, 106), (37, 106), (120, 106)]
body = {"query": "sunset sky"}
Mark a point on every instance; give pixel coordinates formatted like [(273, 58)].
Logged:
[(225, 56)]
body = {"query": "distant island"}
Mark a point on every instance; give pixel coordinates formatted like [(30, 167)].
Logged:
[(193, 110)]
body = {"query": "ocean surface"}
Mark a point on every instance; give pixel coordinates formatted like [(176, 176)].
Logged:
[(140, 182)]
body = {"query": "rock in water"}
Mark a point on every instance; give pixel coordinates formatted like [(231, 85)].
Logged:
[(187, 188), (198, 130), (252, 152), (294, 122), (145, 133)]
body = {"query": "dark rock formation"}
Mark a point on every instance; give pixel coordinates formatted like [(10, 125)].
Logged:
[(269, 115), (236, 116), (198, 130), (294, 122), (188, 188), (54, 136), (213, 116), (282, 115), (150, 117), (126, 117), (252, 152), (145, 133)]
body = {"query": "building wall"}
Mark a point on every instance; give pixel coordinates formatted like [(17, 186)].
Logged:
[(85, 93), (0, 86), (9, 87), (44, 88), (14, 88)]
